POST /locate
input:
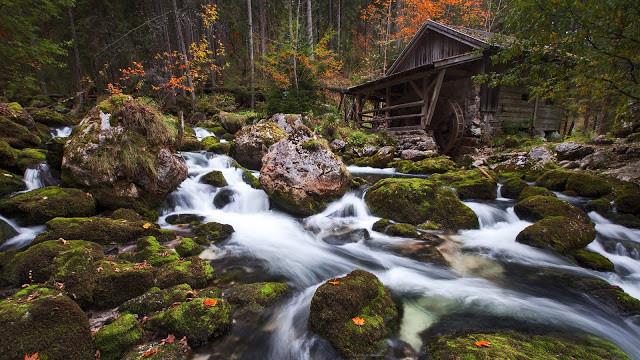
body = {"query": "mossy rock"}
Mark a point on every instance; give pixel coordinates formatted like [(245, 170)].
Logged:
[(51, 118), (415, 201), (99, 230), (558, 233), (381, 225), (41, 261), (45, 321), (380, 159), (16, 135), (29, 158), (602, 205), (627, 199), (159, 350), (126, 214), (469, 184), (358, 182), (212, 232), (555, 179), (40, 205), (232, 122), (538, 207), (250, 300), (513, 187), (156, 299), (119, 282), (214, 178), (396, 229), (187, 247), (10, 183), (193, 271), (436, 165), (357, 295), (8, 155), (150, 250), (592, 260), (176, 219), (530, 191), (517, 346), (114, 339), (190, 143), (250, 179), (200, 320), (588, 185)]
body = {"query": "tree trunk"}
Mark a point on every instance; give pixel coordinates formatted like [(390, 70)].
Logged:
[(339, 24), (251, 60), (183, 50), (310, 27), (386, 39), (263, 27), (77, 72)]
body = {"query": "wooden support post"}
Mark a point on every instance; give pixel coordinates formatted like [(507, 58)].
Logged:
[(434, 98), (358, 106), (387, 113)]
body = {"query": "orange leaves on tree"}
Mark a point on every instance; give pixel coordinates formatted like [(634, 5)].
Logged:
[(414, 13), (358, 321), (34, 356), (210, 302), (482, 343)]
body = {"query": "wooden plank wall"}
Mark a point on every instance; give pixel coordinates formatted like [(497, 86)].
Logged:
[(515, 111), (431, 47)]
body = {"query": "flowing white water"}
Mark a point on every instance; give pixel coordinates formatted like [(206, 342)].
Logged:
[(61, 132), (104, 121), (296, 250), (24, 237)]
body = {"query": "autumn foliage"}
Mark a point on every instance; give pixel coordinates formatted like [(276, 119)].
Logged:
[(414, 13)]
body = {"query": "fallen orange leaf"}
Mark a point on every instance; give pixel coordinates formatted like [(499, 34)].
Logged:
[(334, 282), (147, 225), (482, 343), (358, 321), (34, 356), (210, 302), (150, 352), (170, 339)]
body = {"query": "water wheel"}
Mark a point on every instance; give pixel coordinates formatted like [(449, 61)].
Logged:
[(447, 125)]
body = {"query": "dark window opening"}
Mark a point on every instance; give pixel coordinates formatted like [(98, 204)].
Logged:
[(525, 97)]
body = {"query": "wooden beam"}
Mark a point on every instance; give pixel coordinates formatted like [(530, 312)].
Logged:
[(416, 89), (434, 98), (394, 107), (408, 116)]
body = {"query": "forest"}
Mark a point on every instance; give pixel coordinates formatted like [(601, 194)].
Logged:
[(319, 179)]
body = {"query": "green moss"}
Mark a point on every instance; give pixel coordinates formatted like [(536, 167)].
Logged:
[(214, 178), (538, 207), (150, 250), (40, 205), (44, 321), (415, 201), (555, 179), (119, 282), (17, 135), (193, 271), (512, 187), (469, 184), (232, 122), (27, 158), (592, 260), (530, 191), (188, 247), (558, 233), (585, 184), (113, 103), (161, 351), (115, 339), (381, 159), (212, 232), (10, 183), (381, 225), (250, 300), (311, 144), (156, 299), (125, 214), (100, 230), (195, 319), (627, 199), (8, 155), (516, 346), (402, 230), (436, 165), (50, 117)]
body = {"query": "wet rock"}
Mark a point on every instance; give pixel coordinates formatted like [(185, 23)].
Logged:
[(126, 214), (212, 232), (232, 122), (627, 199), (592, 260), (559, 233), (253, 142), (149, 249), (126, 159), (214, 178), (116, 283), (187, 247), (10, 183), (252, 299), (115, 339), (469, 184), (628, 172), (184, 219), (45, 321), (600, 159), (6, 231), (287, 122), (554, 179), (396, 229), (17, 135), (507, 345), (223, 198), (536, 208), (193, 271), (601, 140), (415, 155), (347, 236), (301, 174), (99, 230), (360, 296), (585, 184), (199, 320), (379, 159), (338, 145), (415, 201), (55, 152), (540, 154), (513, 187), (572, 151), (40, 205), (156, 299), (530, 191), (160, 350)]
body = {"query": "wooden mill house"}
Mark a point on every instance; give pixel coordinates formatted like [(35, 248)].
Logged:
[(430, 87)]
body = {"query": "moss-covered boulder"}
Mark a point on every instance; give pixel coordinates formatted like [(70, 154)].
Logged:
[(396, 229), (160, 350), (44, 321), (517, 346), (354, 313), (415, 201), (114, 339), (559, 233), (214, 178), (126, 214), (176, 219), (97, 229), (193, 271), (253, 142), (29, 158), (123, 153), (199, 320), (538, 207), (469, 184), (156, 299), (10, 183), (627, 199), (436, 165), (119, 282), (592, 260), (251, 299), (188, 247), (17, 135), (212, 232), (512, 187), (149, 249), (380, 159), (530, 191), (585, 184), (51, 117), (232, 122), (40, 205), (214, 145), (555, 179)]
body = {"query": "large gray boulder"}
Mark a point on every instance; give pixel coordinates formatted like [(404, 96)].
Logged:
[(301, 174), (572, 151), (253, 142)]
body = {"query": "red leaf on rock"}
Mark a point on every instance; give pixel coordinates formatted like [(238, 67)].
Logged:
[(210, 302), (150, 352), (34, 356), (358, 321), (482, 343)]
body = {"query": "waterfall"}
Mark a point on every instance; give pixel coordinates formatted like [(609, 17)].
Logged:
[(61, 132), (39, 176)]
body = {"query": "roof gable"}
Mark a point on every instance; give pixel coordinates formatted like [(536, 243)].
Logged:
[(435, 41)]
